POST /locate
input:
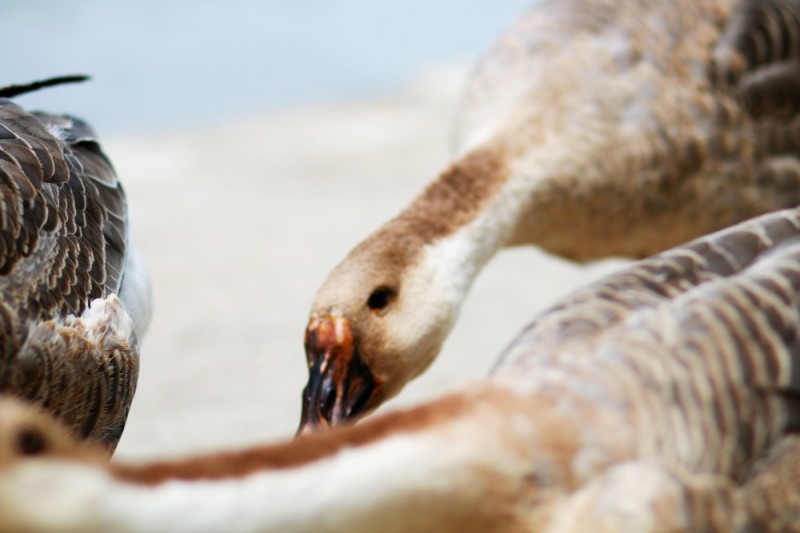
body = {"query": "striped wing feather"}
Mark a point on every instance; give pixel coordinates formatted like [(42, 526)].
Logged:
[(63, 229), (699, 342)]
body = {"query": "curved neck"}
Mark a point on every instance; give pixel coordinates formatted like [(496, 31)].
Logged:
[(464, 217), (300, 452), (451, 465)]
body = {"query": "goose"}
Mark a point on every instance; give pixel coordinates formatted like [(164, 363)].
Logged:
[(75, 295), (666, 391), (593, 128)]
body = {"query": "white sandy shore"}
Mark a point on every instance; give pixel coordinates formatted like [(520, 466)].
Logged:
[(240, 224)]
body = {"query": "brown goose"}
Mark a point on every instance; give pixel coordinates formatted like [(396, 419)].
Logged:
[(592, 128), (75, 297), (662, 398)]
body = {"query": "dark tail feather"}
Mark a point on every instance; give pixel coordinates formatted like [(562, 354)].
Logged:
[(10, 91)]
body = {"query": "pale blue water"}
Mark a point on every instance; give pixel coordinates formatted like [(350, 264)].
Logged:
[(167, 65)]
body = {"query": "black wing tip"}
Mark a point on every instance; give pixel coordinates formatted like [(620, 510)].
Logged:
[(10, 91)]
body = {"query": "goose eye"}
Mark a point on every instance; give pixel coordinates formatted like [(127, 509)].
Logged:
[(379, 298), (30, 442)]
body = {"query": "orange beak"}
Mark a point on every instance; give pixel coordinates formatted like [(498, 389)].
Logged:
[(340, 386)]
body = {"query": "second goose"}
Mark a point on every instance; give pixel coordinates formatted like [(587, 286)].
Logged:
[(593, 128)]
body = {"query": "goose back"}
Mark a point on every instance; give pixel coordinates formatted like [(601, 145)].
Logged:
[(698, 344), (662, 120), (66, 341)]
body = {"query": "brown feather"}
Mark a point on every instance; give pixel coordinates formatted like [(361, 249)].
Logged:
[(62, 245)]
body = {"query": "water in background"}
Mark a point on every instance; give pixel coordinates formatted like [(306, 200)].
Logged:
[(169, 65)]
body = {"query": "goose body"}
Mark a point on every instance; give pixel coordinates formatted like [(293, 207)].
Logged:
[(75, 296), (593, 128), (662, 398)]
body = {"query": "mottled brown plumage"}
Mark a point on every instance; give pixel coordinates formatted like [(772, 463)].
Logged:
[(710, 329), (67, 342), (696, 353), (593, 128)]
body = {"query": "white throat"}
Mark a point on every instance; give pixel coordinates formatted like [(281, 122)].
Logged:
[(456, 259)]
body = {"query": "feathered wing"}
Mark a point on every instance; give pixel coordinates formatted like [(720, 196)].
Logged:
[(661, 279), (63, 230), (699, 348), (64, 214), (700, 345)]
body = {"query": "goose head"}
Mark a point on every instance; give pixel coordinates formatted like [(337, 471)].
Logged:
[(378, 321), (26, 431)]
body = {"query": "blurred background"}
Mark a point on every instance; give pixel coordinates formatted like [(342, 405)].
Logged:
[(258, 141), (188, 63)]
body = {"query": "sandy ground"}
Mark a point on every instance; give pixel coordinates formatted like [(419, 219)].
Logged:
[(240, 224)]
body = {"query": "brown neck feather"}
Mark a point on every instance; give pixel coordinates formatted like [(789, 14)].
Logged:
[(447, 204), (459, 194), (301, 451)]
